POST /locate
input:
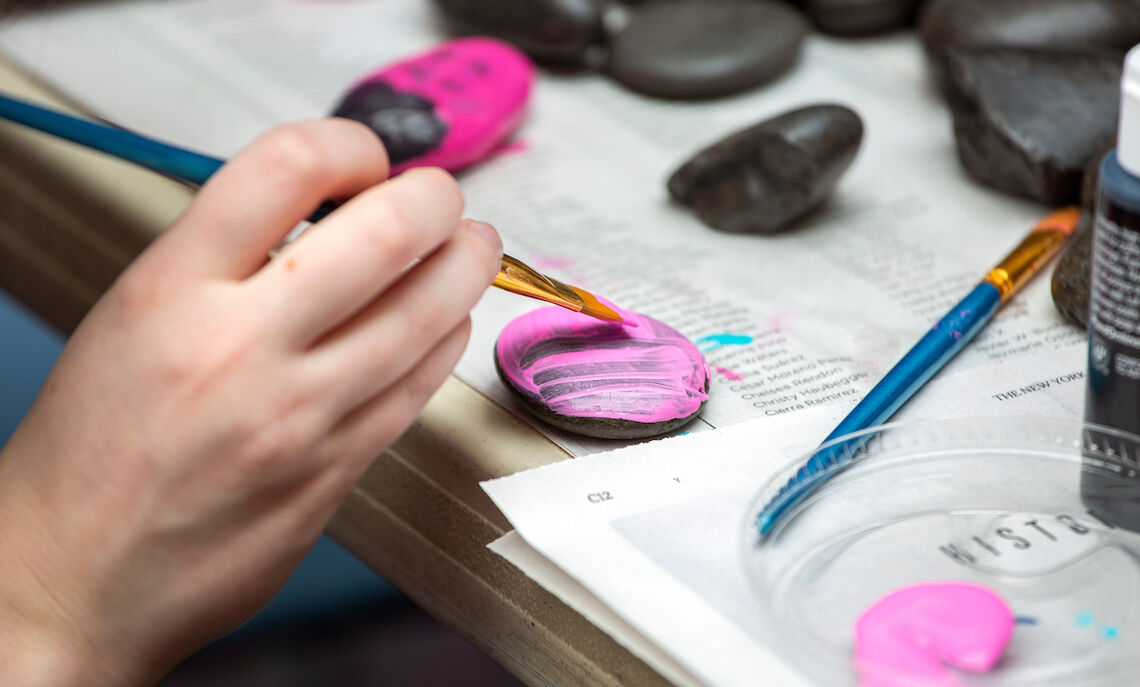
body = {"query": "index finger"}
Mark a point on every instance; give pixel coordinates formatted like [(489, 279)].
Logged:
[(255, 199)]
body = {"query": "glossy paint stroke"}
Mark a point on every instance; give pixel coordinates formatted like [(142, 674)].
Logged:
[(577, 367)]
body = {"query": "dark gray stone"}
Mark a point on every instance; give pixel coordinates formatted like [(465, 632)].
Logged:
[(599, 427), (761, 179), (1108, 27), (1090, 180), (703, 48), (1073, 274), (860, 17), (1028, 121), (561, 31), (1071, 277)]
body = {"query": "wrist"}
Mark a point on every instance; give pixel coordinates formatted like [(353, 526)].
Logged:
[(33, 657), (42, 638)]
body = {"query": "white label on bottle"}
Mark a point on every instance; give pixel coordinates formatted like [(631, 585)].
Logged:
[(1114, 302)]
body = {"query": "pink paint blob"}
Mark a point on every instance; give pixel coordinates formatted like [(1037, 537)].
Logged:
[(480, 88), (580, 367), (907, 638)]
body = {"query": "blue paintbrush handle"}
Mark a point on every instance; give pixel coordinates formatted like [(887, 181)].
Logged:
[(180, 163), (161, 157), (932, 351)]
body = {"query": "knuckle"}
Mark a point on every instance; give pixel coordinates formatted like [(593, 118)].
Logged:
[(366, 138), (443, 182), (479, 250), (293, 152), (276, 440), (136, 292), (416, 393), (194, 371), (418, 388), (175, 368), (393, 231), (463, 331), (422, 319)]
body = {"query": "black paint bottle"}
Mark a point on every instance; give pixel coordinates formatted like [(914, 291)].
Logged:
[(1112, 397)]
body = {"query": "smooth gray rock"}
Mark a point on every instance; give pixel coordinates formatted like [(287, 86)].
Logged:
[(1108, 27), (761, 179), (561, 31), (1090, 179), (1073, 274), (861, 17), (1029, 121), (705, 48)]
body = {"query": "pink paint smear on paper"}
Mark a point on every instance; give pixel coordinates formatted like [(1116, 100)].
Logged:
[(729, 374), (480, 88), (907, 638), (578, 366), (512, 147)]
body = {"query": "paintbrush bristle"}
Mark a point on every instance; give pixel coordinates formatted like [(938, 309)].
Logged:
[(595, 308)]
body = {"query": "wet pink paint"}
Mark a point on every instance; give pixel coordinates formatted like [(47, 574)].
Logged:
[(578, 366), (480, 88), (729, 374), (512, 147), (907, 638)]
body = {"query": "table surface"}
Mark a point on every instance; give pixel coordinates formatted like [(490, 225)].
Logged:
[(72, 219)]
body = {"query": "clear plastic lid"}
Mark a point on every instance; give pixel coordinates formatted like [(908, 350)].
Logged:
[(1034, 509)]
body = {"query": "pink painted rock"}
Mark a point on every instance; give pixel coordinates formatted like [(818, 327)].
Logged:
[(602, 379), (907, 638), (448, 107)]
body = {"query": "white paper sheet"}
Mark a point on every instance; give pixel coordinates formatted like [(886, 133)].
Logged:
[(813, 316), (552, 578), (655, 531)]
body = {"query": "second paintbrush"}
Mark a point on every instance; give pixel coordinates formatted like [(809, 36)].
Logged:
[(948, 336)]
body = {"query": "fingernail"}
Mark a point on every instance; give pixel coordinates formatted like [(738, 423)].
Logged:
[(488, 233)]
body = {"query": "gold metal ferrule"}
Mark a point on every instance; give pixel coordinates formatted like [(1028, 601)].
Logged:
[(517, 277), (1033, 252)]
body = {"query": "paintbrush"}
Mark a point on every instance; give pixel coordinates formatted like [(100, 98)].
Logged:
[(945, 339), (195, 168)]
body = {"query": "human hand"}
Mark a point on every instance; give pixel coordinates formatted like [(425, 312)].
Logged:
[(211, 412)]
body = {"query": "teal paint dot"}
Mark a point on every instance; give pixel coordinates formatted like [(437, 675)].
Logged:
[(1111, 632), (1085, 619), (714, 341)]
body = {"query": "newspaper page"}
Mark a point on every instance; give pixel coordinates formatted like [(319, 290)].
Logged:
[(810, 317), (795, 326)]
